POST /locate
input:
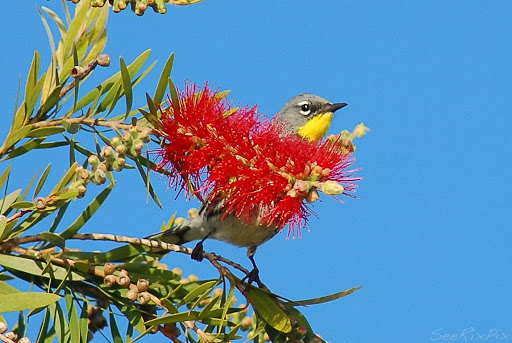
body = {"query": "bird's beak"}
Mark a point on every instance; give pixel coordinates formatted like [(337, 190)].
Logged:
[(334, 107)]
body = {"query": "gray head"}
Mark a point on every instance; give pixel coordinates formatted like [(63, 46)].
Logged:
[(302, 108)]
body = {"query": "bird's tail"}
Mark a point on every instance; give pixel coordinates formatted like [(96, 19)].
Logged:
[(175, 235)]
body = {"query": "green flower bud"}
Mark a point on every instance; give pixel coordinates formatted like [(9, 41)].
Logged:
[(332, 188), (93, 160)]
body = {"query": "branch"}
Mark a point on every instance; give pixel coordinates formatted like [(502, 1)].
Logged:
[(95, 122)]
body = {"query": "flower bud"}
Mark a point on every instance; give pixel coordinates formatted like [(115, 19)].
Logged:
[(104, 59), (81, 191), (143, 298), (93, 160), (246, 323), (360, 130), (134, 132), (3, 327), (124, 279), (107, 151), (332, 188), (132, 294), (10, 335), (177, 271), (109, 268), (127, 137), (144, 136), (192, 278), (312, 196), (84, 174), (121, 148), (138, 146), (24, 340), (192, 213), (40, 203), (110, 280), (162, 266), (142, 285)]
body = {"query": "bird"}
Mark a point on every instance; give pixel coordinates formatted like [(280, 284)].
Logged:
[(306, 115)]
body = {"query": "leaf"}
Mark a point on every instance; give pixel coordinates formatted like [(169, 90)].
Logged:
[(74, 324), (73, 31), (8, 200), (5, 175), (127, 85), (44, 131), (15, 137), (87, 213), (26, 301), (3, 226), (116, 335), (267, 308), (29, 266), (54, 239), (51, 101), (205, 287), (58, 217), (56, 19), (5, 289), (327, 298), (162, 82), (23, 149), (174, 95), (149, 187), (66, 179), (42, 179), (84, 319), (32, 76)]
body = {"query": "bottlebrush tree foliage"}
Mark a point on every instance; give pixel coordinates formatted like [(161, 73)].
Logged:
[(71, 295)]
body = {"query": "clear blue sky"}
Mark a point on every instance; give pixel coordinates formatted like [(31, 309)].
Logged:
[(430, 237)]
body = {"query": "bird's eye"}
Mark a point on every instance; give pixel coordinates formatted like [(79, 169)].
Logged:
[(305, 107)]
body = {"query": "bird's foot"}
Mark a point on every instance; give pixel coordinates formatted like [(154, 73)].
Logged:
[(253, 276), (197, 253)]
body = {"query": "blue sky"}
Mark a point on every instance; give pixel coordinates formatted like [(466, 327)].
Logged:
[(429, 237)]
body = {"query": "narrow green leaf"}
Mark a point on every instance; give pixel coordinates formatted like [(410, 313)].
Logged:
[(50, 145), (8, 200), (5, 175), (29, 266), (58, 217), (127, 85), (29, 186), (15, 137), (54, 239), (23, 205), (5, 289), (42, 180), (23, 149), (174, 94), (205, 312), (74, 324), (3, 226), (266, 307), (87, 213), (44, 131), (56, 19), (26, 301), (51, 101), (84, 321), (32, 76), (324, 299), (61, 326), (66, 179), (147, 183), (30, 221), (73, 32), (205, 287), (116, 335), (162, 82), (43, 331)]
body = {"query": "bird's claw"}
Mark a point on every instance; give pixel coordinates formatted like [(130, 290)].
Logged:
[(197, 253), (253, 276)]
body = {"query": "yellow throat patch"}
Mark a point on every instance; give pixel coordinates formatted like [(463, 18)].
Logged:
[(316, 128)]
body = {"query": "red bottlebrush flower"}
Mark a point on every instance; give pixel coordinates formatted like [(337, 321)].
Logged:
[(254, 165)]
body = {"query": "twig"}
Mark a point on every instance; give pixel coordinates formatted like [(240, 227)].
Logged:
[(95, 122)]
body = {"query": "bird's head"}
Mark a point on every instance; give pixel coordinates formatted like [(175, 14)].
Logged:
[(308, 115)]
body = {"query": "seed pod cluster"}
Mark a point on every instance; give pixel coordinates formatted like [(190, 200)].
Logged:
[(140, 6)]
